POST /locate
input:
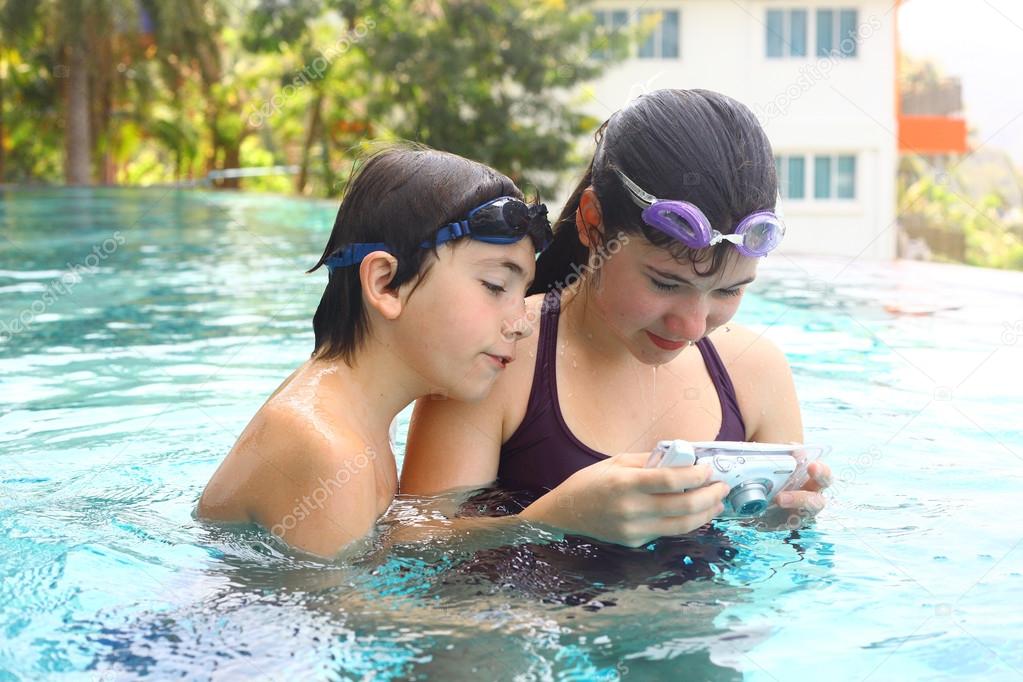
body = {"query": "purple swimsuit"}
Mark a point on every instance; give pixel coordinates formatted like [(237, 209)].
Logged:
[(543, 452)]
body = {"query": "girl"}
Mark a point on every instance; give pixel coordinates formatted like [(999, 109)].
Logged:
[(650, 260), (428, 266)]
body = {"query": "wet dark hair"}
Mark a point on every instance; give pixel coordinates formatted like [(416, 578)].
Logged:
[(400, 194), (695, 145)]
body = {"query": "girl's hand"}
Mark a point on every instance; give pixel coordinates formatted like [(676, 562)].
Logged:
[(619, 500), (808, 500)]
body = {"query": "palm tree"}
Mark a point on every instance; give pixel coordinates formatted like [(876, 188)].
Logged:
[(83, 38)]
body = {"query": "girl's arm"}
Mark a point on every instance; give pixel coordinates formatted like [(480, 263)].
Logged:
[(767, 394), (451, 444)]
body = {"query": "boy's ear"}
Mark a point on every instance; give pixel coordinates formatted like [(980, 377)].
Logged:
[(375, 273), (589, 219)]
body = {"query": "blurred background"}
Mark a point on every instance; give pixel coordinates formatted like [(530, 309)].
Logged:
[(894, 130)]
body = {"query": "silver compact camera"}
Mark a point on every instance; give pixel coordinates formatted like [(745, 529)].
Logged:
[(755, 472)]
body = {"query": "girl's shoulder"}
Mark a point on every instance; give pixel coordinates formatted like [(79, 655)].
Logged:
[(745, 350), (761, 376)]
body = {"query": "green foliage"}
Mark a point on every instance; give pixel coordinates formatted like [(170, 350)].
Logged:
[(488, 80), (303, 82), (939, 203)]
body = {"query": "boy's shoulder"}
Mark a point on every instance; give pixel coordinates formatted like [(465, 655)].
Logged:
[(297, 439)]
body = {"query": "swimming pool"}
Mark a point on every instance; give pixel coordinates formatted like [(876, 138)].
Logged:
[(142, 329)]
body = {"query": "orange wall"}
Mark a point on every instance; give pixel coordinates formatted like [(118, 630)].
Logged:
[(932, 135), (924, 134)]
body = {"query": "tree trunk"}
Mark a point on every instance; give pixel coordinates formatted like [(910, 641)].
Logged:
[(77, 163), (328, 173), (314, 125), (102, 111), (1, 127), (232, 159)]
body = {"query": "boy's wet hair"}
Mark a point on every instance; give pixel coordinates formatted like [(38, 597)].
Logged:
[(695, 145), (400, 194)]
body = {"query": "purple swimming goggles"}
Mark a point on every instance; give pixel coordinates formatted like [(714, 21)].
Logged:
[(757, 234)]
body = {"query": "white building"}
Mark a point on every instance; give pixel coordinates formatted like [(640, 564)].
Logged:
[(820, 75)]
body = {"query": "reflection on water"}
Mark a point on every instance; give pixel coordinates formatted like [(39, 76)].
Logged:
[(497, 603), (127, 378)]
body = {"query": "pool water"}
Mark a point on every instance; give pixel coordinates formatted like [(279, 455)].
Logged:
[(140, 330)]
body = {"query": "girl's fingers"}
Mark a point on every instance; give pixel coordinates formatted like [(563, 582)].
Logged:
[(635, 475), (820, 477), (801, 500), (632, 459), (673, 479), (692, 502), (680, 525)]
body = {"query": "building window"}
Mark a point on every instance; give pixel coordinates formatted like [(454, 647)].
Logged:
[(664, 42), (611, 22), (836, 33), (791, 172), (834, 177), (786, 33)]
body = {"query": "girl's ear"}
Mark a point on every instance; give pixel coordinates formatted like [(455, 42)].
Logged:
[(588, 218), (375, 274)]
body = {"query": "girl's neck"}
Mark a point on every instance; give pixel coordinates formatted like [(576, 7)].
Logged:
[(588, 332)]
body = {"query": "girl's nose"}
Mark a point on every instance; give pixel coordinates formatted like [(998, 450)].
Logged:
[(689, 321)]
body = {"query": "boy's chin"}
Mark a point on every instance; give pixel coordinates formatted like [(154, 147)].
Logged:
[(469, 391)]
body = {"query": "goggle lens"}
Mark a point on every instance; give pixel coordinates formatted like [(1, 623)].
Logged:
[(687, 232)]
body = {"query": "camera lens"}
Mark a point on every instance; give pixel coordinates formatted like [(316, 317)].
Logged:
[(749, 499)]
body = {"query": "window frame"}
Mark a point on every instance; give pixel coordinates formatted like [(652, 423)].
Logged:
[(656, 38), (788, 16)]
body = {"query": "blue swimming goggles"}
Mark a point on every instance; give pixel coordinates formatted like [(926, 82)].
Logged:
[(505, 220), (756, 235)]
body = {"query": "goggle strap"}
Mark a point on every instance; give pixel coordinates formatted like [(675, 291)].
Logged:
[(639, 196), (353, 254), (447, 233), (717, 238)]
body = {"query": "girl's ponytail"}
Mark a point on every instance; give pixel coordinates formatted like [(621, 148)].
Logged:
[(556, 263)]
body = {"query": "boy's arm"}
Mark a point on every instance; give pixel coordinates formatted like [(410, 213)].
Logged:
[(318, 494)]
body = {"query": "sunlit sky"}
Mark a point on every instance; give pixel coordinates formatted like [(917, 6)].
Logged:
[(980, 41)]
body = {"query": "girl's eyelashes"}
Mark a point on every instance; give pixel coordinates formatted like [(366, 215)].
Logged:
[(667, 286), (495, 289)]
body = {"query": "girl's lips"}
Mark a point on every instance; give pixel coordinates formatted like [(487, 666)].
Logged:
[(665, 344)]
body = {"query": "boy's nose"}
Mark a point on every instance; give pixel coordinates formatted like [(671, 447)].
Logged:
[(518, 328)]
